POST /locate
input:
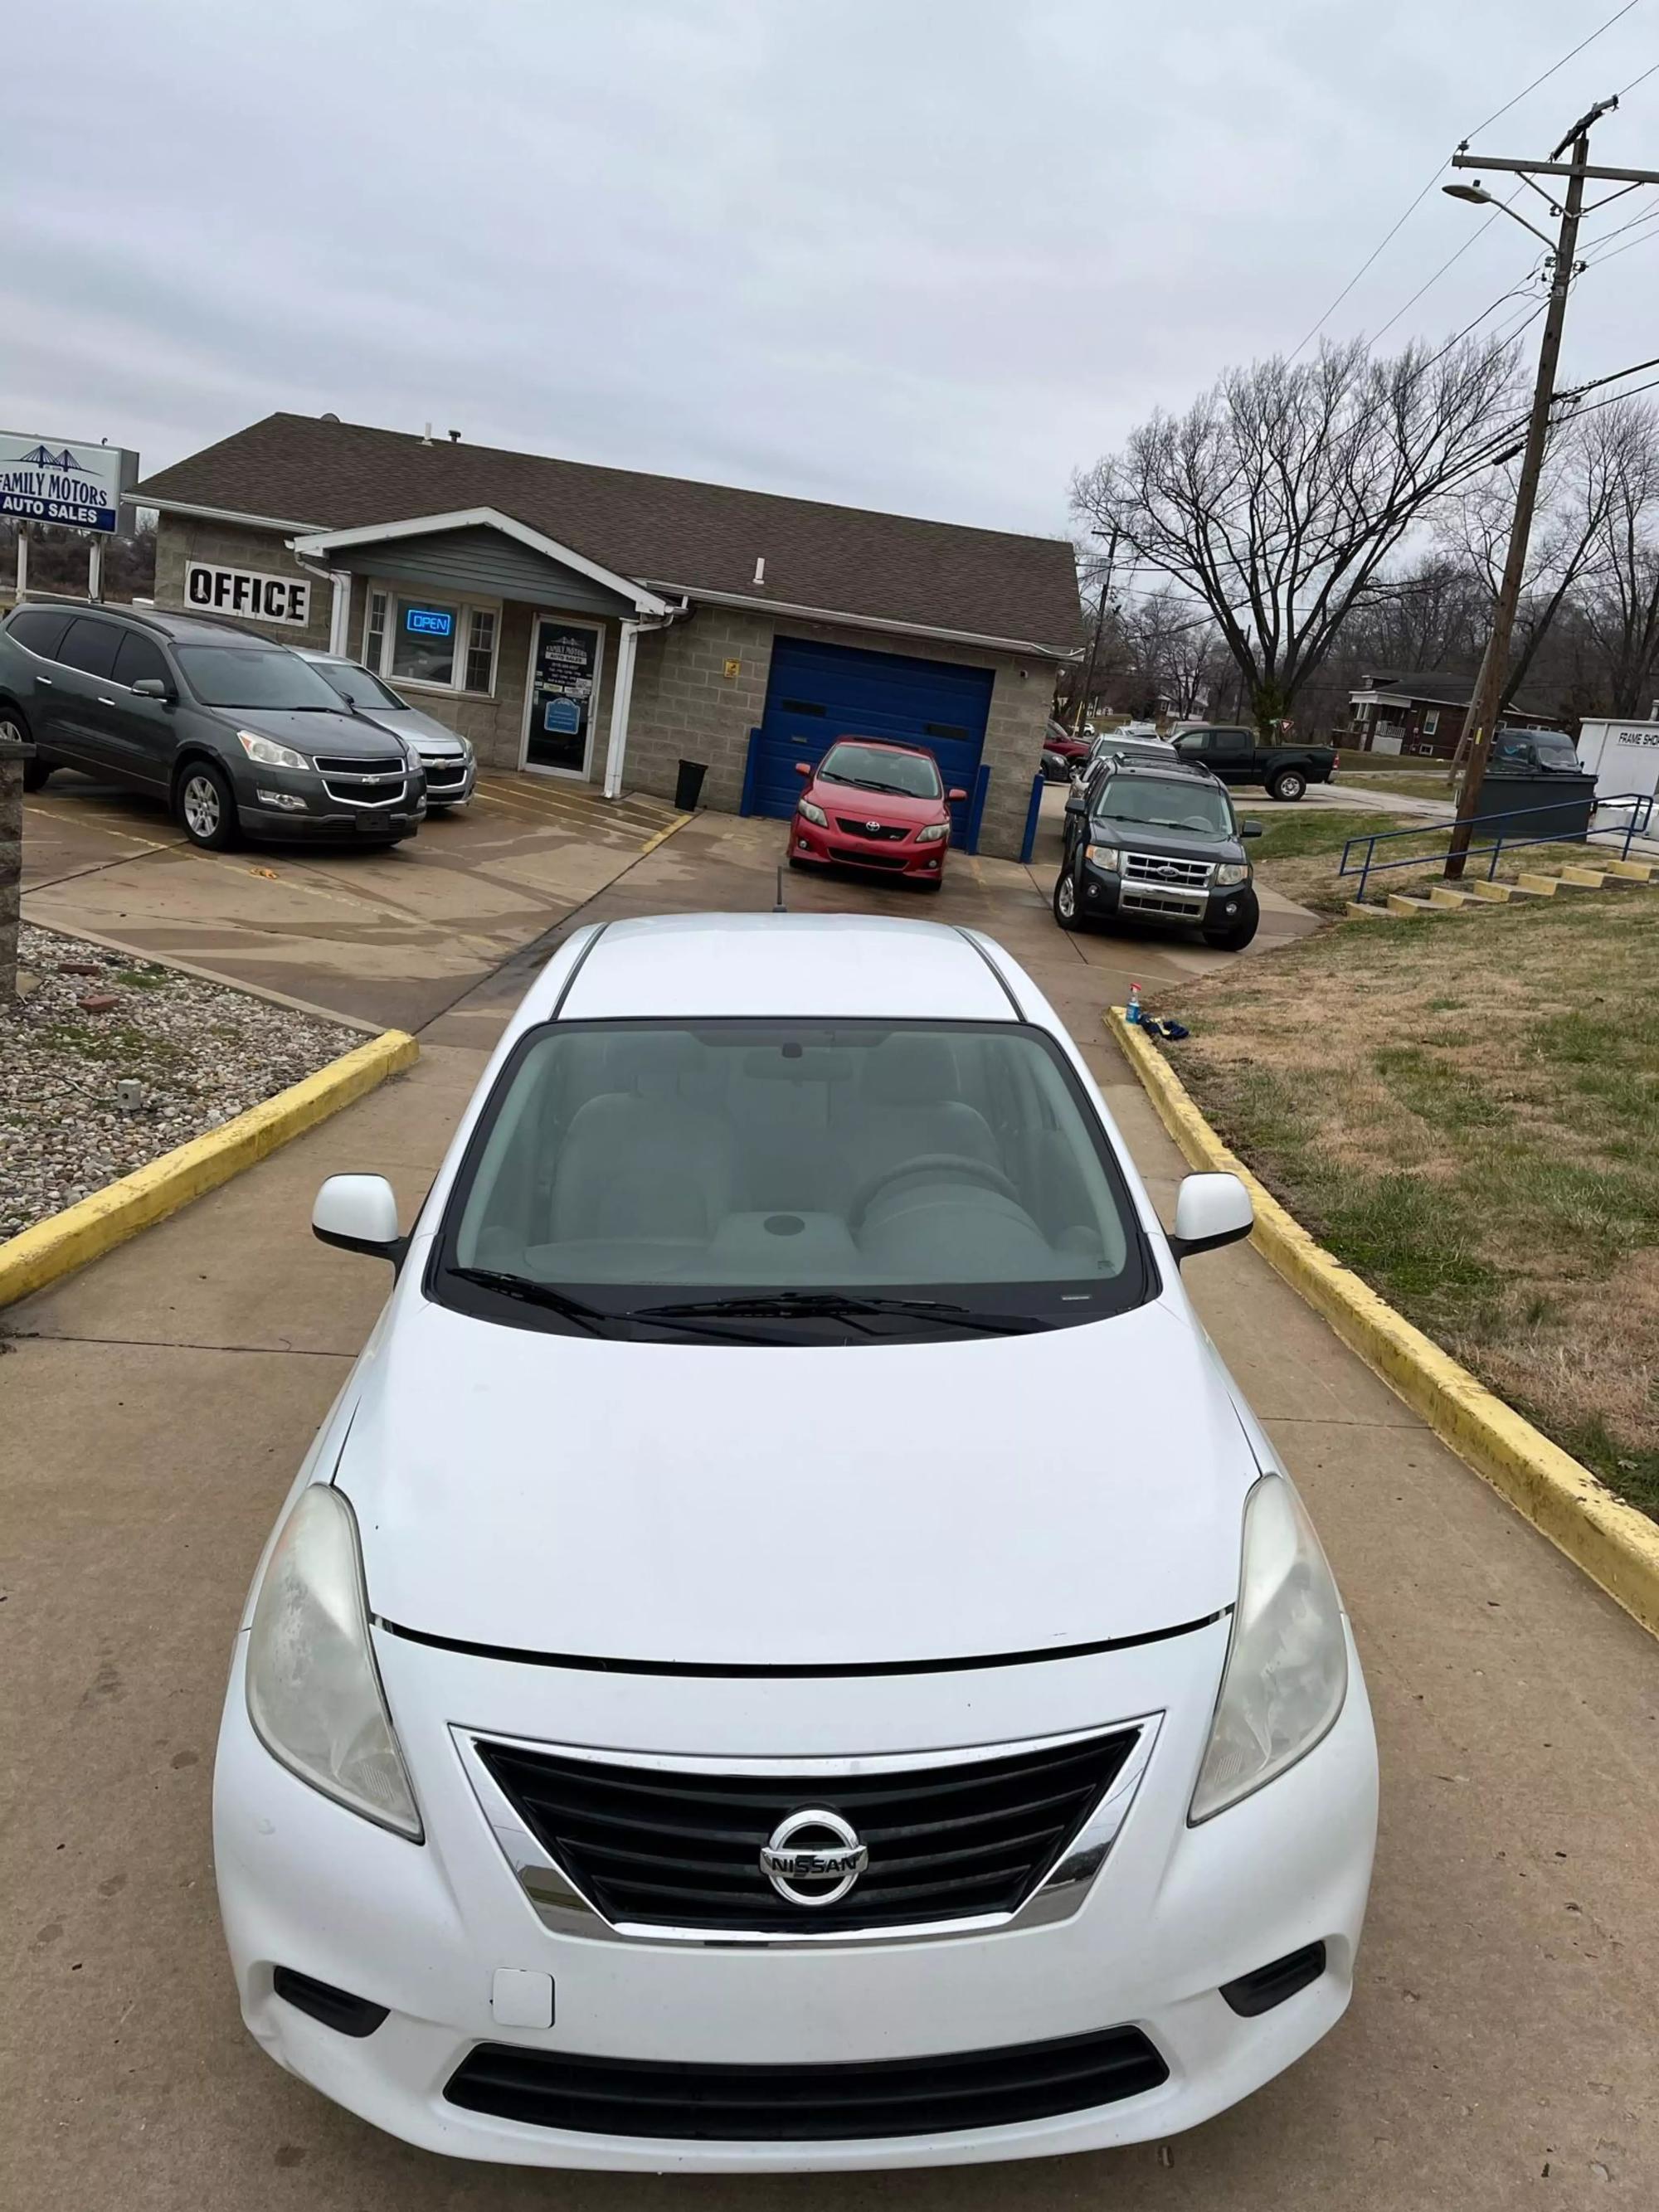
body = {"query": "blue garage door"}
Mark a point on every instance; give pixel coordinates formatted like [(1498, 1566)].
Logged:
[(819, 693)]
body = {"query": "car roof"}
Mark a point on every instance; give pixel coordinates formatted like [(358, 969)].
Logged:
[(1163, 771), (182, 627), (807, 967)]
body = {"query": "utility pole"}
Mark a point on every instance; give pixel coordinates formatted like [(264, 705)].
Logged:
[(1479, 721), (1100, 624)]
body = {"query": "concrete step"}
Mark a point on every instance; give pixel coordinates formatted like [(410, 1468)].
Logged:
[(1366, 910), (1537, 886), (1398, 903), (1631, 872), (1583, 879), (1494, 893), (1447, 895)]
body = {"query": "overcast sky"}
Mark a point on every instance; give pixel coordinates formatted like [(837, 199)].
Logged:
[(918, 254)]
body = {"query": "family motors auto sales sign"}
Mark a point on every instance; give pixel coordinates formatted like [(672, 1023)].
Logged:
[(79, 486)]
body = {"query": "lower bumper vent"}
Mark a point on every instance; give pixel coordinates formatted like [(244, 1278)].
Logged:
[(806, 2104)]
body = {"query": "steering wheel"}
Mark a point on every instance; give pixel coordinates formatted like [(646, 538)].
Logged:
[(953, 1163)]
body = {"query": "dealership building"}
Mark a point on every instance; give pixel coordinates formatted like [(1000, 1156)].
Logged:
[(602, 625)]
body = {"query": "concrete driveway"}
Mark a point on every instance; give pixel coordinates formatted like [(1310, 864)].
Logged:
[(391, 938), (1500, 2047)]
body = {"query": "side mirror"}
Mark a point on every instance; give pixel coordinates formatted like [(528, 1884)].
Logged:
[(955, 796), (1211, 1210), (803, 767), (359, 1213), (1251, 829), (152, 687)]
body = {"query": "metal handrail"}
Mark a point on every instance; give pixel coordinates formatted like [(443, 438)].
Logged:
[(1640, 803)]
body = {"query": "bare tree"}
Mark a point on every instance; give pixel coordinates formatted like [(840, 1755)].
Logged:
[(1277, 499), (1175, 652), (1620, 609)]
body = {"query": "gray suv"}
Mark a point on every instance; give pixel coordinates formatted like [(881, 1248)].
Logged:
[(234, 733)]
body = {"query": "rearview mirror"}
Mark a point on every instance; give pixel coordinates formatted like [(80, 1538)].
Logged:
[(359, 1213), (1211, 1210), (803, 767), (954, 796), (1251, 829), (152, 687)]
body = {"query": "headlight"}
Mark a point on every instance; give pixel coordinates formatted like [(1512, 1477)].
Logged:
[(1103, 857), (808, 812), (268, 752), (932, 833), (313, 1693), (1233, 872), (1287, 1664)]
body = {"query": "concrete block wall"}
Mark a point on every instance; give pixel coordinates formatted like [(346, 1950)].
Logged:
[(180, 538), (11, 864)]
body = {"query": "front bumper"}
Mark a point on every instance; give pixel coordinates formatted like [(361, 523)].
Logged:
[(424, 1929), (287, 806), (896, 856), (451, 779), (1115, 899)]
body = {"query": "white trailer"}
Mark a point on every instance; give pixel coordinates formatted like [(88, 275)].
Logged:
[(1622, 756)]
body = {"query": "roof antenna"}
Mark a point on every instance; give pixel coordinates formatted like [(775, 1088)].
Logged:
[(779, 908)]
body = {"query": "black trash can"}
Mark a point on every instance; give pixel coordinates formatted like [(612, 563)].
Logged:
[(688, 786), (1554, 804)]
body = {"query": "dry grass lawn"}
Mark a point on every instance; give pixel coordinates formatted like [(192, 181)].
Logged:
[(1465, 1109), (1300, 854)]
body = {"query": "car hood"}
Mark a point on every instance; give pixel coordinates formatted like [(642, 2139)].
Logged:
[(425, 730), (1179, 844), (339, 735), (815, 1506), (884, 807)]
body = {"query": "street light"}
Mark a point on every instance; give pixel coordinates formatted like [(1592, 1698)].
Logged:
[(1478, 196)]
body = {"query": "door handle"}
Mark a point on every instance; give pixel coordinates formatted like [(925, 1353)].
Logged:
[(45, 682), (104, 702)]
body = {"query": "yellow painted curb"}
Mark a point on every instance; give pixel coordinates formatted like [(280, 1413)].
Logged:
[(66, 1241), (661, 837), (1616, 1545)]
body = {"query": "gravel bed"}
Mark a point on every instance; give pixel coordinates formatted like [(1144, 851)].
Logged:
[(198, 1052)]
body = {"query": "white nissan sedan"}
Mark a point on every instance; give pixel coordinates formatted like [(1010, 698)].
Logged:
[(710, 1700)]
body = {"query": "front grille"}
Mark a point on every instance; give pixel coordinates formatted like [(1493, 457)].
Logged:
[(673, 1849), (1141, 898), (806, 2104), (875, 860), (1159, 868), (356, 780), (881, 830), (443, 769)]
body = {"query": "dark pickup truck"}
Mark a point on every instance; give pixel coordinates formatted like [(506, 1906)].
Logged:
[(1233, 753)]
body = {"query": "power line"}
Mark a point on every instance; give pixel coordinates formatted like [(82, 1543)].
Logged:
[(1443, 267), (1635, 81), (1596, 260), (1416, 203)]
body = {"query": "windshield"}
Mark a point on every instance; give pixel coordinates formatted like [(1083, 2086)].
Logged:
[(1166, 804), (247, 676), (656, 1165), (873, 770), (357, 686)]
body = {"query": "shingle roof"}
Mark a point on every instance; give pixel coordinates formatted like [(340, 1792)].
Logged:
[(661, 530), (1439, 688)]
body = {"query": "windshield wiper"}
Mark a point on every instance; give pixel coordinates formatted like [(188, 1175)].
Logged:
[(837, 1305), (537, 1294)]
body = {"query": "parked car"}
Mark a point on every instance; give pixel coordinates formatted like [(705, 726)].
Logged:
[(1156, 844), (446, 758), (1114, 745), (1066, 751), (1519, 752), (1233, 753), (234, 733), (706, 1704), (873, 806)]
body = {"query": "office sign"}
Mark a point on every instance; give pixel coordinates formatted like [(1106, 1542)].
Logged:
[(76, 483), (247, 591)]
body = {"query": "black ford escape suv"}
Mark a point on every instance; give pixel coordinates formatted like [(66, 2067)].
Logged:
[(234, 733), (1158, 845)]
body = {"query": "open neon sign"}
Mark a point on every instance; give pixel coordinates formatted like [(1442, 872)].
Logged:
[(427, 622)]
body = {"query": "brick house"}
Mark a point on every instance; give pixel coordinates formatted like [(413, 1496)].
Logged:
[(599, 624), (1421, 713)]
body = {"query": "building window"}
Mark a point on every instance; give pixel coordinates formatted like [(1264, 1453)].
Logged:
[(447, 645), (481, 651), (1431, 722)]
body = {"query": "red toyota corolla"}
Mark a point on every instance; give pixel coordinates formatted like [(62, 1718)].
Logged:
[(872, 805)]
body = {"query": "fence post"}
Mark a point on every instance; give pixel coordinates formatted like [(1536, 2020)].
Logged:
[(1029, 844), (977, 808)]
